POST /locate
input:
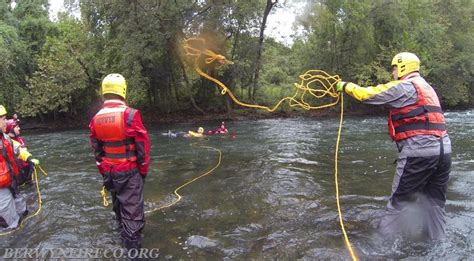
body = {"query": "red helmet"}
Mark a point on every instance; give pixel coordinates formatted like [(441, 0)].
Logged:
[(11, 124)]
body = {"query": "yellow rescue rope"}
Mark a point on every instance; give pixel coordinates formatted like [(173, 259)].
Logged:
[(178, 196), (103, 193), (336, 154), (196, 48), (40, 202), (311, 77)]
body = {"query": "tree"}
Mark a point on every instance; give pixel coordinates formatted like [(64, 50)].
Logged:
[(60, 83), (357, 41), (268, 8), (13, 58)]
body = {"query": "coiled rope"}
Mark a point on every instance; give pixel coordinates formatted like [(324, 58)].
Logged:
[(310, 77), (196, 49), (40, 202)]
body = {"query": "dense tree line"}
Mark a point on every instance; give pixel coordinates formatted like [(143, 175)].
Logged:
[(52, 69)]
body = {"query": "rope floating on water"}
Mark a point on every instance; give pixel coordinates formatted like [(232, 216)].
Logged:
[(178, 196)]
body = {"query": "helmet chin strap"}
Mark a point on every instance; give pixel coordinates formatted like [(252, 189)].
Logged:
[(395, 72)]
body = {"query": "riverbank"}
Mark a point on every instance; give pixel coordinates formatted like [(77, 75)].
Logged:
[(152, 118)]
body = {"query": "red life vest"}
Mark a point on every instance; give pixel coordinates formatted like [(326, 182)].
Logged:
[(424, 117), (8, 166), (109, 126)]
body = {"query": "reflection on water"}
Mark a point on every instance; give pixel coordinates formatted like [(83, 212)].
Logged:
[(272, 197)]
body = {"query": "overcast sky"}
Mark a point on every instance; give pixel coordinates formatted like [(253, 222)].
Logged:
[(54, 7), (279, 24)]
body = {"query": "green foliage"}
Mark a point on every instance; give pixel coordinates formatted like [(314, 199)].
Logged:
[(55, 68), (12, 59), (57, 85), (358, 40)]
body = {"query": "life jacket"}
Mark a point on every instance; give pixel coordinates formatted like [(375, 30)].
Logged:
[(195, 134), (217, 131), (424, 117), (8, 166), (109, 125)]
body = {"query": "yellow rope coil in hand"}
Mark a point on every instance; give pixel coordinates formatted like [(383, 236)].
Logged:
[(311, 77)]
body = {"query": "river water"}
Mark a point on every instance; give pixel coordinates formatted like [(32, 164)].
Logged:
[(272, 197)]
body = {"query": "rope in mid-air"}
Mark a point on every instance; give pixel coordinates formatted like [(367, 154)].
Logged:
[(197, 51)]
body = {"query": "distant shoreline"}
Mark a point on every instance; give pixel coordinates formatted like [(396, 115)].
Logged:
[(150, 118)]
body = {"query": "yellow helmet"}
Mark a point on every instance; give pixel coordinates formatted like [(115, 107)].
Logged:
[(406, 63), (114, 83), (3, 111)]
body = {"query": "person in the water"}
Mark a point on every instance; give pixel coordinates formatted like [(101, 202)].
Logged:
[(221, 130), (170, 134), (416, 123), (198, 134)]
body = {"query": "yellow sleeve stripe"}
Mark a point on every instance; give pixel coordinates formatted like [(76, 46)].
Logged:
[(364, 93), (23, 153)]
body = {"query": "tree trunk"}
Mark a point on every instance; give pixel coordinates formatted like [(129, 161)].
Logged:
[(268, 8), (188, 86), (169, 94), (174, 85), (231, 74), (171, 69), (152, 97), (250, 88)]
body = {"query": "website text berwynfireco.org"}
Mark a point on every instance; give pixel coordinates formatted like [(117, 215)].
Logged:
[(78, 253)]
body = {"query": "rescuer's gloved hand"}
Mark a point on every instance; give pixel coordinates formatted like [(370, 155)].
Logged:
[(35, 162), (340, 86)]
